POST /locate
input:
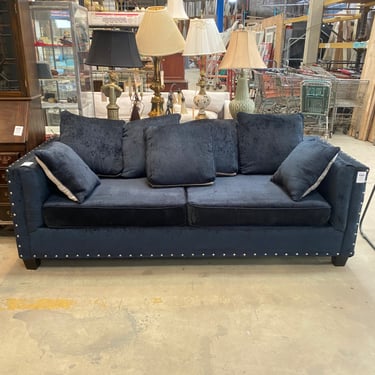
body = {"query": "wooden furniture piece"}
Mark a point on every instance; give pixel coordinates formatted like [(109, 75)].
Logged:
[(22, 124), (174, 72)]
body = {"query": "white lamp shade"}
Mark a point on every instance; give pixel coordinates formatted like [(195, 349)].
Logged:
[(176, 9), (158, 34), (203, 38), (242, 52)]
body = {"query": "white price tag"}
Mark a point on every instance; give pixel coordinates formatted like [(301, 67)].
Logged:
[(361, 177), (27, 164), (18, 130)]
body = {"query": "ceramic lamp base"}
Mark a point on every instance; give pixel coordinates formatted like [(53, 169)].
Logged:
[(201, 100), (242, 101)]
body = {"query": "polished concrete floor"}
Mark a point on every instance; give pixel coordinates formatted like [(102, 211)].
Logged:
[(286, 316)]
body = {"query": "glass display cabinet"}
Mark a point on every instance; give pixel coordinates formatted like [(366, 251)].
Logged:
[(62, 42), (22, 123)]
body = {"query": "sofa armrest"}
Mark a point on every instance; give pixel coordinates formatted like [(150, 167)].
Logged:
[(344, 188), (28, 188)]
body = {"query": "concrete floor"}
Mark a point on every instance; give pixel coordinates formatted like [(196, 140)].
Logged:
[(262, 316)]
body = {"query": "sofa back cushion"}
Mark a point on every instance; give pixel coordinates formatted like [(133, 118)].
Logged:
[(179, 156), (265, 140), (133, 144), (224, 142), (97, 141)]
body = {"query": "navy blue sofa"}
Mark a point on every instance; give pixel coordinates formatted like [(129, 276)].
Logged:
[(155, 188)]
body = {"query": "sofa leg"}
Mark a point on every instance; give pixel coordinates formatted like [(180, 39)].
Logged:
[(31, 264), (339, 260)]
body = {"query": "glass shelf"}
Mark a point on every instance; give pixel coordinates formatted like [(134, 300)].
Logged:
[(62, 41)]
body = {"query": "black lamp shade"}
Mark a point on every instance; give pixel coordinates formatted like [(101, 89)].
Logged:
[(44, 70), (114, 48)]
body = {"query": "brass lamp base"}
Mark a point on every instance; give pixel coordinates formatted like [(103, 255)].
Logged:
[(157, 100), (201, 100), (112, 91)]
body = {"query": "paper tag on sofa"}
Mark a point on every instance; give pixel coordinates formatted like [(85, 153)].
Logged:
[(361, 177)]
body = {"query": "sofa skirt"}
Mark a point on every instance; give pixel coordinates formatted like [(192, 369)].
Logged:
[(184, 242)]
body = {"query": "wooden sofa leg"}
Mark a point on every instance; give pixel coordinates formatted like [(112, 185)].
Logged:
[(31, 264), (339, 260)]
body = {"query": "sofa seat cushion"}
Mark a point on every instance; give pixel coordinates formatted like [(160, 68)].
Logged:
[(119, 202), (253, 200)]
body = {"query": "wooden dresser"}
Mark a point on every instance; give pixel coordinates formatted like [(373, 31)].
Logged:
[(22, 122)]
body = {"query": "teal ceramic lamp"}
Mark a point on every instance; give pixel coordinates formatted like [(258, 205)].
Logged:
[(242, 53)]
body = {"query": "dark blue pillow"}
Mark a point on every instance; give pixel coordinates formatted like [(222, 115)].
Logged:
[(305, 167), (265, 140), (224, 142), (179, 156), (133, 145), (97, 141), (67, 171)]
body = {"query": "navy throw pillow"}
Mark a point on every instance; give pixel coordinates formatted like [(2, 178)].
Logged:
[(133, 145), (67, 171), (179, 156), (97, 141), (265, 140), (305, 167)]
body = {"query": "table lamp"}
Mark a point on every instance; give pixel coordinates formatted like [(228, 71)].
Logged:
[(158, 36), (242, 53), (113, 48), (203, 38), (176, 10)]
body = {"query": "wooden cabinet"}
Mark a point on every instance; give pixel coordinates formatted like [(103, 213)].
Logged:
[(174, 72), (22, 123)]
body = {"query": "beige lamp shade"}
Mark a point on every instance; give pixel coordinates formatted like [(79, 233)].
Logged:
[(242, 52), (203, 38), (176, 9), (158, 34)]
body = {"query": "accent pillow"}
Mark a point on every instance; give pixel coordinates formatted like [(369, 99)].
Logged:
[(97, 141), (179, 156), (224, 141), (265, 140), (133, 144), (67, 171), (305, 167)]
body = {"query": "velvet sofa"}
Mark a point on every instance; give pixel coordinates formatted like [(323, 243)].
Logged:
[(156, 188)]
